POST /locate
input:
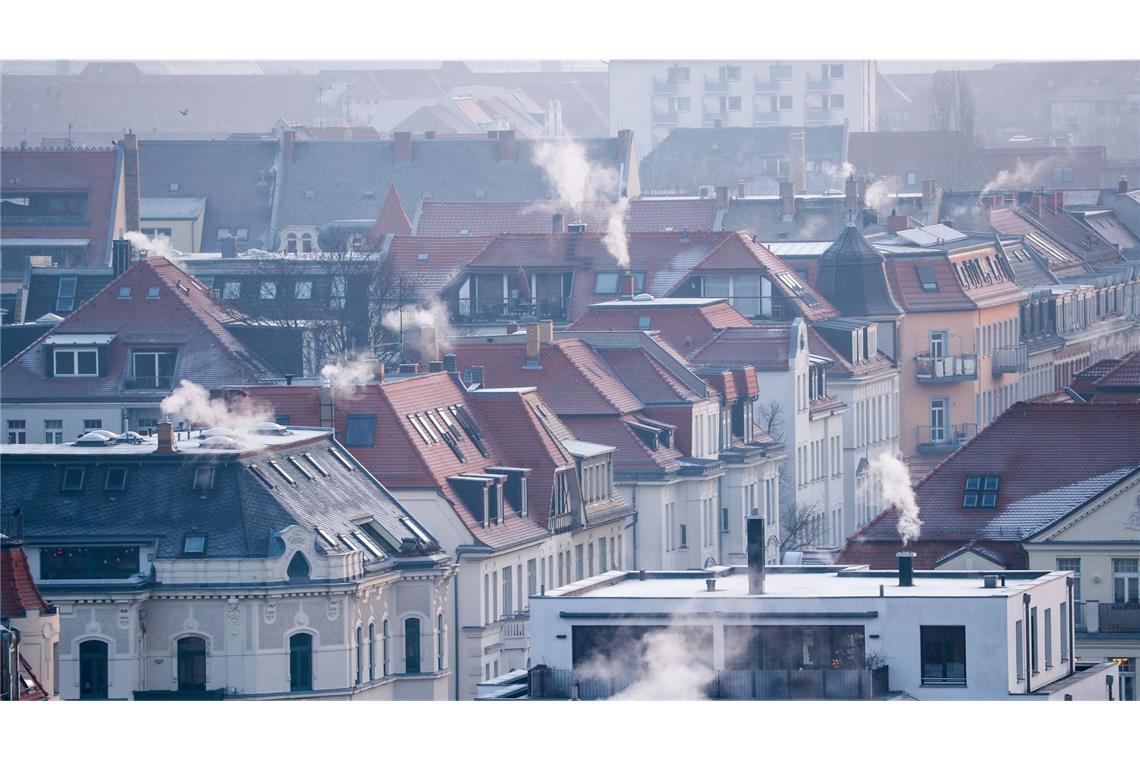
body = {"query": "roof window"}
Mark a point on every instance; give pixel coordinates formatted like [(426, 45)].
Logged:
[(281, 471), (194, 544), (153, 292), (300, 467), (981, 491), (261, 475), (116, 479), (73, 479), (341, 458), (125, 293), (926, 278), (316, 465), (203, 479)]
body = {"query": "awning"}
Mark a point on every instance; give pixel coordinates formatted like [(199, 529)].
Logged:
[(79, 339)]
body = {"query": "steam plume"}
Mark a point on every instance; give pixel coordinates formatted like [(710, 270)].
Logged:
[(1022, 177), (433, 313), (192, 403), (159, 245), (664, 664), (345, 376), (878, 195), (895, 479)]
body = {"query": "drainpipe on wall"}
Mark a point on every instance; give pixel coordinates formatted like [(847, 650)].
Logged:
[(1072, 623), (1025, 598)]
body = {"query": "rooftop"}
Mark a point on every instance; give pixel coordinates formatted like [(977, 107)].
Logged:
[(244, 441)]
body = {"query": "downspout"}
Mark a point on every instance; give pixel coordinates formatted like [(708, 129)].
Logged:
[(634, 527), (1072, 623), (1025, 598), (455, 658)]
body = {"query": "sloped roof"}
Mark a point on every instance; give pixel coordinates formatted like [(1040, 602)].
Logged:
[(18, 592), (767, 348), (1021, 447), (492, 218), (948, 158), (43, 289), (683, 325), (853, 278), (1126, 374), (392, 220), (431, 264)]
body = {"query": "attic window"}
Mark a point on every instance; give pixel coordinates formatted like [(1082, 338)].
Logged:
[(340, 458), (981, 491), (203, 479), (73, 479), (368, 544), (116, 479), (281, 471), (261, 475), (125, 293), (194, 544), (926, 278), (360, 430), (379, 536), (643, 323), (153, 293), (422, 257), (416, 530), (317, 465), (419, 428), (327, 538), (174, 187), (300, 467)]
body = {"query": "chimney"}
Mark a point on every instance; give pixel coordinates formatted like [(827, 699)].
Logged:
[(512, 328), (626, 285), (861, 191), (424, 344), (558, 224), (896, 222), (797, 161), (788, 198), (131, 179), (546, 331), (1037, 204), (435, 366), (378, 371), (288, 379), (288, 140), (755, 550), (402, 147), (722, 197), (851, 191), (165, 438), (741, 188), (328, 409), (228, 246), (508, 147), (1122, 188), (450, 363), (716, 123), (533, 346), (906, 568), (710, 584), (121, 253), (928, 189), (1058, 201), (409, 368), (624, 139)]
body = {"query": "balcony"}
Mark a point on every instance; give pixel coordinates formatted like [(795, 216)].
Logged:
[(765, 117), (669, 117), (818, 85), (767, 85), (716, 85), (712, 117), (509, 309), (1012, 359), (944, 440), (147, 383), (930, 370), (1110, 617), (818, 114), (664, 86), (562, 523), (514, 631)]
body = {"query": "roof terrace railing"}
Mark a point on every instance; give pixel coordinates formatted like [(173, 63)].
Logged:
[(945, 369), (944, 439)]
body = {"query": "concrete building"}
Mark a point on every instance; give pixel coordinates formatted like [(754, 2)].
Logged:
[(654, 97), (272, 567), (813, 633)]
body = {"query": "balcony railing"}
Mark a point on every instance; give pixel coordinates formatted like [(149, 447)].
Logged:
[(664, 85), (562, 523), (818, 114), (945, 369), (152, 383), (186, 695), (945, 439), (1110, 617), (669, 117), (716, 85), (818, 85), (767, 85), (549, 683), (1012, 359), (765, 117), (712, 117), (495, 310), (514, 629)]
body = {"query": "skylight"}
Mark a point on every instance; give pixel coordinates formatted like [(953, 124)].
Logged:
[(416, 530), (194, 543), (312, 460), (281, 471), (926, 278), (327, 538), (981, 491), (116, 479), (260, 475), (300, 467), (73, 479), (340, 458)]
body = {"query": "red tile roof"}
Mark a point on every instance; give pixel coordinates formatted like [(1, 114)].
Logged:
[(683, 325), (392, 219), (1126, 374), (441, 218), (184, 316), (431, 264), (18, 592), (767, 348), (650, 381), (1021, 447)]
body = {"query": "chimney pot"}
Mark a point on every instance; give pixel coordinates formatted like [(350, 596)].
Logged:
[(1122, 188), (755, 551), (710, 584), (288, 379), (165, 438), (450, 363), (906, 568)]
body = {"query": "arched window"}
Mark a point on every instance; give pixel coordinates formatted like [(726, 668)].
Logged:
[(291, 243), (298, 567), (93, 670), (412, 645), (439, 643), (192, 663), (386, 660), (301, 662), (359, 655), (371, 651), (306, 243)]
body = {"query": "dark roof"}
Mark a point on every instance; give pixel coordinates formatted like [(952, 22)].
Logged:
[(184, 316), (239, 515), (492, 218), (43, 289), (1124, 375), (1021, 447), (768, 348), (948, 158), (813, 218), (853, 278), (18, 592), (691, 157), (234, 176)]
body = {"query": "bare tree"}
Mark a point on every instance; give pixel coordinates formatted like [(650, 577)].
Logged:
[(951, 102), (799, 525), (770, 416)]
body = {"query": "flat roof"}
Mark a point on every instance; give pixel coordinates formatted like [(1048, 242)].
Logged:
[(246, 441), (795, 582), (643, 303)]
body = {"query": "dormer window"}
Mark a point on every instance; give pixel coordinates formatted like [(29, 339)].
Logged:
[(153, 293), (73, 479), (76, 362)]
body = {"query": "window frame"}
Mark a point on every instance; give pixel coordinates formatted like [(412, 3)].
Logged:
[(944, 680), (349, 437), (75, 353)]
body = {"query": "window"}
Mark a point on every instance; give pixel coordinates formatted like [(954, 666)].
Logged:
[(65, 297), (943, 655), (301, 662), (602, 566), (684, 537), (192, 663), (116, 479), (291, 243), (1063, 174), (1019, 636), (223, 233), (730, 103), (268, 291), (298, 569), (92, 670), (781, 102), (124, 293), (385, 648), (76, 362), (578, 564), (939, 341), (73, 479), (678, 73), (507, 591), (532, 578), (151, 369), (1048, 638), (231, 290), (336, 292), (306, 243), (911, 179), (680, 104), (360, 430), (359, 655), (1033, 661), (203, 479), (153, 293), (17, 432), (194, 544), (833, 71), (371, 651), (730, 73), (303, 290), (53, 431), (412, 645), (981, 491), (439, 643), (89, 425), (938, 409), (88, 562), (242, 233), (1125, 577), (925, 274)]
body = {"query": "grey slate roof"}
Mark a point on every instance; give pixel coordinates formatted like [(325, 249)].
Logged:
[(348, 178), (852, 276), (239, 515), (689, 158)]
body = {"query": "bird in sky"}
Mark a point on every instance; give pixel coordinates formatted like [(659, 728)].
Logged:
[(184, 112)]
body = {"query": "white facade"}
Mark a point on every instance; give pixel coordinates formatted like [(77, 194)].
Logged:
[(870, 430), (1002, 642), (654, 97)]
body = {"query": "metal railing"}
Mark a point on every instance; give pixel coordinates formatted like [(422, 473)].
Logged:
[(1118, 618), (818, 85), (562, 523), (498, 310), (1012, 359), (664, 85), (945, 439), (765, 117), (819, 114), (716, 85), (156, 383), (767, 85), (945, 369), (669, 117)]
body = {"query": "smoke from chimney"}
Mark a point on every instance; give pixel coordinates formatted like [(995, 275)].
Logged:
[(897, 492)]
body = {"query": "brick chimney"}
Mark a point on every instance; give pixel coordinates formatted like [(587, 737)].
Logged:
[(897, 222), (721, 197), (131, 179), (402, 148), (788, 199), (165, 438), (533, 346), (227, 244), (508, 145), (928, 190), (797, 161), (423, 342), (626, 285), (288, 140), (1122, 188), (1057, 201)]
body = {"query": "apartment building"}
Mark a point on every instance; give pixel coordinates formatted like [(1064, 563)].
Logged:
[(518, 501), (654, 97)]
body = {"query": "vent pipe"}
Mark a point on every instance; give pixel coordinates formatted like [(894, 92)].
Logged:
[(755, 551), (906, 568)]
